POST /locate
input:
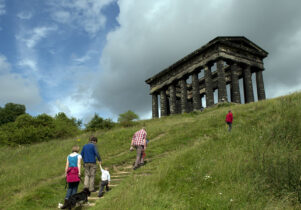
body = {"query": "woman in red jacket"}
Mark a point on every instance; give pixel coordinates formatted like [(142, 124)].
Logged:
[(229, 120)]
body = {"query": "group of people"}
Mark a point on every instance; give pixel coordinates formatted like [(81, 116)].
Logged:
[(91, 159)]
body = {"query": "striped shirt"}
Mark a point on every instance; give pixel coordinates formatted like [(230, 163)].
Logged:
[(139, 137)]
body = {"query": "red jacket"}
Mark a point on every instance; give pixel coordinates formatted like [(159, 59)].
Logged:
[(229, 117)]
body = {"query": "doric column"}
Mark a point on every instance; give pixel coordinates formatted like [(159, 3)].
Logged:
[(155, 105), (235, 92), (260, 85), (221, 81), (196, 91), (178, 104), (172, 97), (208, 86), (248, 86), (183, 86), (163, 103)]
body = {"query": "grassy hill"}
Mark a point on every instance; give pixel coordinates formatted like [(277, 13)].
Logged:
[(193, 162)]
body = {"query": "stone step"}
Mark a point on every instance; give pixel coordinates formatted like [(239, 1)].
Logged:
[(116, 180), (122, 172), (94, 198), (119, 176)]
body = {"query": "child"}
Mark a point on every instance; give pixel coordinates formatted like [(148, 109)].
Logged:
[(105, 180), (72, 172)]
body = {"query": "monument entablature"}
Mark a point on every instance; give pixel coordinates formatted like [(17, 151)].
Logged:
[(234, 58)]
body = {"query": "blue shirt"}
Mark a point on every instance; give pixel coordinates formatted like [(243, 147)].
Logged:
[(89, 152)]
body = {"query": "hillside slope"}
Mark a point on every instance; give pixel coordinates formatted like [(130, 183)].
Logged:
[(193, 162)]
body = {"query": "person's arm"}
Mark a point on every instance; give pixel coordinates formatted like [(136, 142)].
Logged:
[(97, 154), (132, 143), (145, 141), (79, 164), (109, 178), (66, 168)]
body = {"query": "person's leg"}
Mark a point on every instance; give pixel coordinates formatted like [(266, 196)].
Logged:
[(92, 176), (107, 186), (103, 183), (230, 126), (142, 157), (87, 175), (138, 157), (69, 191), (74, 187)]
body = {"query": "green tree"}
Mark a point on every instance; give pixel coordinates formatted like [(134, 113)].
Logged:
[(126, 119), (64, 126), (97, 123), (10, 112)]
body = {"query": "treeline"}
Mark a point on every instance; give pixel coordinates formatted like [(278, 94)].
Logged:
[(17, 127)]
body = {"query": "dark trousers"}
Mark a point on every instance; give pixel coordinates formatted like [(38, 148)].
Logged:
[(230, 126), (72, 189), (139, 159), (102, 185)]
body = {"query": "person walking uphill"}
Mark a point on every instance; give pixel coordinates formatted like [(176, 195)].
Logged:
[(72, 172), (229, 120), (139, 142), (89, 153)]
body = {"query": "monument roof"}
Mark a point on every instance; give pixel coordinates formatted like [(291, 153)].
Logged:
[(235, 41)]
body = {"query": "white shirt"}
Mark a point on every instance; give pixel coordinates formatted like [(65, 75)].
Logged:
[(105, 175)]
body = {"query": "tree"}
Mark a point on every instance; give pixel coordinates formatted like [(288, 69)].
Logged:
[(127, 118), (10, 112), (97, 123)]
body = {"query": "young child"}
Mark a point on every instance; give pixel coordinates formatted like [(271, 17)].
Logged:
[(105, 180)]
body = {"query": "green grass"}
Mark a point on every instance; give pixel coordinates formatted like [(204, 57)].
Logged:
[(194, 162)]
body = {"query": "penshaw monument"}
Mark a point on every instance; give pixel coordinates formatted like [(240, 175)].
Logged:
[(221, 62)]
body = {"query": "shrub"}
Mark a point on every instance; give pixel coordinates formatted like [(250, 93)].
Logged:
[(97, 123), (10, 112), (126, 119)]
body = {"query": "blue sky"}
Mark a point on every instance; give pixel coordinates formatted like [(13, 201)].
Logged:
[(83, 57), (49, 46)]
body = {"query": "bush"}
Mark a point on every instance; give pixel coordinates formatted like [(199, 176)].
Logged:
[(27, 129), (126, 119), (97, 123), (10, 112)]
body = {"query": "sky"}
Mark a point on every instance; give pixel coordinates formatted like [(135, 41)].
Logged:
[(84, 57)]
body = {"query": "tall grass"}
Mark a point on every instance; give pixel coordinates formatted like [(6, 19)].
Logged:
[(195, 163)]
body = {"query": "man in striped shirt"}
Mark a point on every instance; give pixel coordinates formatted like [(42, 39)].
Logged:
[(139, 142)]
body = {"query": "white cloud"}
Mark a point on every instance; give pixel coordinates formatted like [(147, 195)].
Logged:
[(2, 7), (32, 37), (155, 34), (62, 16), (78, 104), (14, 88), (28, 63), (24, 15), (85, 14)]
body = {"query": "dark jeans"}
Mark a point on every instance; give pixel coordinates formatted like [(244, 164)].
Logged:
[(72, 189), (102, 185), (230, 126)]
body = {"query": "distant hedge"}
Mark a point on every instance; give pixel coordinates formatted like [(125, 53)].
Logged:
[(27, 129)]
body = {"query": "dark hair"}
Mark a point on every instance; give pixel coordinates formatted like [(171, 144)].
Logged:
[(93, 138)]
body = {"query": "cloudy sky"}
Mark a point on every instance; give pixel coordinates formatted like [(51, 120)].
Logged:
[(92, 56)]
